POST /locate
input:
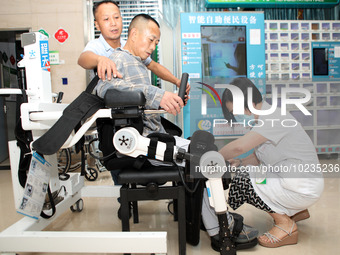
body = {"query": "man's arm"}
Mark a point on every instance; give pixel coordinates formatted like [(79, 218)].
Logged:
[(155, 97), (165, 74), (90, 60)]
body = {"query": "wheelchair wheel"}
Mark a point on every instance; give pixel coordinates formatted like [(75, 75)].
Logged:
[(64, 161), (78, 206), (91, 174)]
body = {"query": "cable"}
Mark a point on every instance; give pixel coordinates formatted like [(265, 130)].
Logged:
[(184, 182), (169, 210), (64, 177), (96, 157)]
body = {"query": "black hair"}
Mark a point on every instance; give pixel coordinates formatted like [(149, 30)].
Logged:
[(143, 16), (243, 84), (96, 5)]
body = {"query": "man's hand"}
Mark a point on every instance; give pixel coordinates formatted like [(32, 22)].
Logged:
[(108, 67), (171, 102)]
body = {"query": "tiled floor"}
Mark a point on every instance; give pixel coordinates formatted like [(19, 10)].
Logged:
[(317, 235)]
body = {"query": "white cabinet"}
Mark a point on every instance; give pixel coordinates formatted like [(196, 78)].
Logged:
[(289, 65), (323, 126)]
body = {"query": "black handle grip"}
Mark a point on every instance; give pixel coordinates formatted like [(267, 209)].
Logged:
[(60, 97), (183, 86)]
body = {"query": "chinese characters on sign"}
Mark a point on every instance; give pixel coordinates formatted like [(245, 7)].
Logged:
[(257, 71), (44, 56), (220, 20), (271, 3)]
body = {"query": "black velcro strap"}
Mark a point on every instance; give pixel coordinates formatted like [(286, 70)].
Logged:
[(152, 147), (92, 84), (169, 152), (84, 106), (170, 143), (24, 138)]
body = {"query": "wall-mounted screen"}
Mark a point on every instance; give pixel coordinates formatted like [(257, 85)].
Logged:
[(320, 61), (223, 51)]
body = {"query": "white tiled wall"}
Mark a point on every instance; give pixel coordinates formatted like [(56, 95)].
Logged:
[(51, 15)]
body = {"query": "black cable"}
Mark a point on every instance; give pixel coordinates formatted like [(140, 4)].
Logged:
[(169, 204), (64, 177), (184, 182), (96, 157)]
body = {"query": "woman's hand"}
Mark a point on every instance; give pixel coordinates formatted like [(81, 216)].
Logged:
[(235, 162)]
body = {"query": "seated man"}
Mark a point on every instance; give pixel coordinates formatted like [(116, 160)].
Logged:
[(143, 36)]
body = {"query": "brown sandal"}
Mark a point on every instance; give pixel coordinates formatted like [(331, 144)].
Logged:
[(274, 242), (303, 215)]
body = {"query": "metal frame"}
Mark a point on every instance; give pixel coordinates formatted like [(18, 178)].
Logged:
[(26, 235)]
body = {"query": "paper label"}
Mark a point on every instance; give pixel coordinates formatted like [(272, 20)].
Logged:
[(36, 187)]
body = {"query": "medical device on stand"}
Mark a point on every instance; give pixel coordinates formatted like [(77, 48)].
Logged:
[(38, 115)]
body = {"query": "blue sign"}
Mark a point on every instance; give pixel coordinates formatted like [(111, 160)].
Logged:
[(326, 61), (216, 48), (44, 56)]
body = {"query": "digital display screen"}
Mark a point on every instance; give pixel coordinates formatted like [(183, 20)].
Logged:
[(223, 51), (320, 61)]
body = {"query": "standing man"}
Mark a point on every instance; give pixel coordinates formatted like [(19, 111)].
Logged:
[(108, 21)]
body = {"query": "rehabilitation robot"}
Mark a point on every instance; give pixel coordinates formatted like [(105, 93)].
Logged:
[(38, 115)]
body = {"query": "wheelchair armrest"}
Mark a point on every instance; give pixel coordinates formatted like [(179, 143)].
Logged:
[(122, 98)]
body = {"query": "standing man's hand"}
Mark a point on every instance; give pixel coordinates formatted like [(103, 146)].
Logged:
[(107, 68)]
